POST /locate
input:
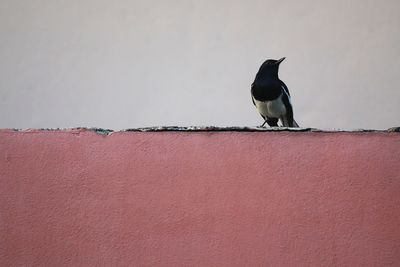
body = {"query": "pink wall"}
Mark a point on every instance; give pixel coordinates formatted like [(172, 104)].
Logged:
[(80, 198)]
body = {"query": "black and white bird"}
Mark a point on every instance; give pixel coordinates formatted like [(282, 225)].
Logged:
[(271, 96)]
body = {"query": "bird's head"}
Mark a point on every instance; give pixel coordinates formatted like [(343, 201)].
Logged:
[(271, 66)]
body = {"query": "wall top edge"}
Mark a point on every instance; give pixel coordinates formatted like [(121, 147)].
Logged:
[(207, 129)]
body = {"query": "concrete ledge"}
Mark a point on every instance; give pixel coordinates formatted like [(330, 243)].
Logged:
[(199, 196), (210, 129)]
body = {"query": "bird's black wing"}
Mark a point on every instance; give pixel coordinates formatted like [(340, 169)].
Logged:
[(285, 87), (289, 109), (252, 99)]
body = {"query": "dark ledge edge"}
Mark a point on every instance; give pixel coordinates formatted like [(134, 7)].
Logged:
[(218, 129)]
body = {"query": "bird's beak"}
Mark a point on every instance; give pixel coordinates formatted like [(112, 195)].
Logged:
[(280, 60)]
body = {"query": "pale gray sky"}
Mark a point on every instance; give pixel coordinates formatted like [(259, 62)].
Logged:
[(123, 63)]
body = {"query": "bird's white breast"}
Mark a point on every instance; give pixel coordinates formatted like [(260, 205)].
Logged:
[(272, 109)]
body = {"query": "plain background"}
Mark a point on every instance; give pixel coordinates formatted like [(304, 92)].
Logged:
[(123, 64)]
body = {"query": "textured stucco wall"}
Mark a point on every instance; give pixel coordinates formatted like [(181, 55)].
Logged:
[(80, 198)]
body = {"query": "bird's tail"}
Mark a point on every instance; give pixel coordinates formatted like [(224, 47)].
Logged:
[(295, 124)]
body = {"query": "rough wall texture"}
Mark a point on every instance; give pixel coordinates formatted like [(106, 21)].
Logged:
[(79, 198)]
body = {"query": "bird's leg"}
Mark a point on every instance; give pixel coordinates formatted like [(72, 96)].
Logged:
[(264, 123)]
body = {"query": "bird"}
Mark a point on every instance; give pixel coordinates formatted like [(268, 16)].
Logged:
[(271, 96)]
